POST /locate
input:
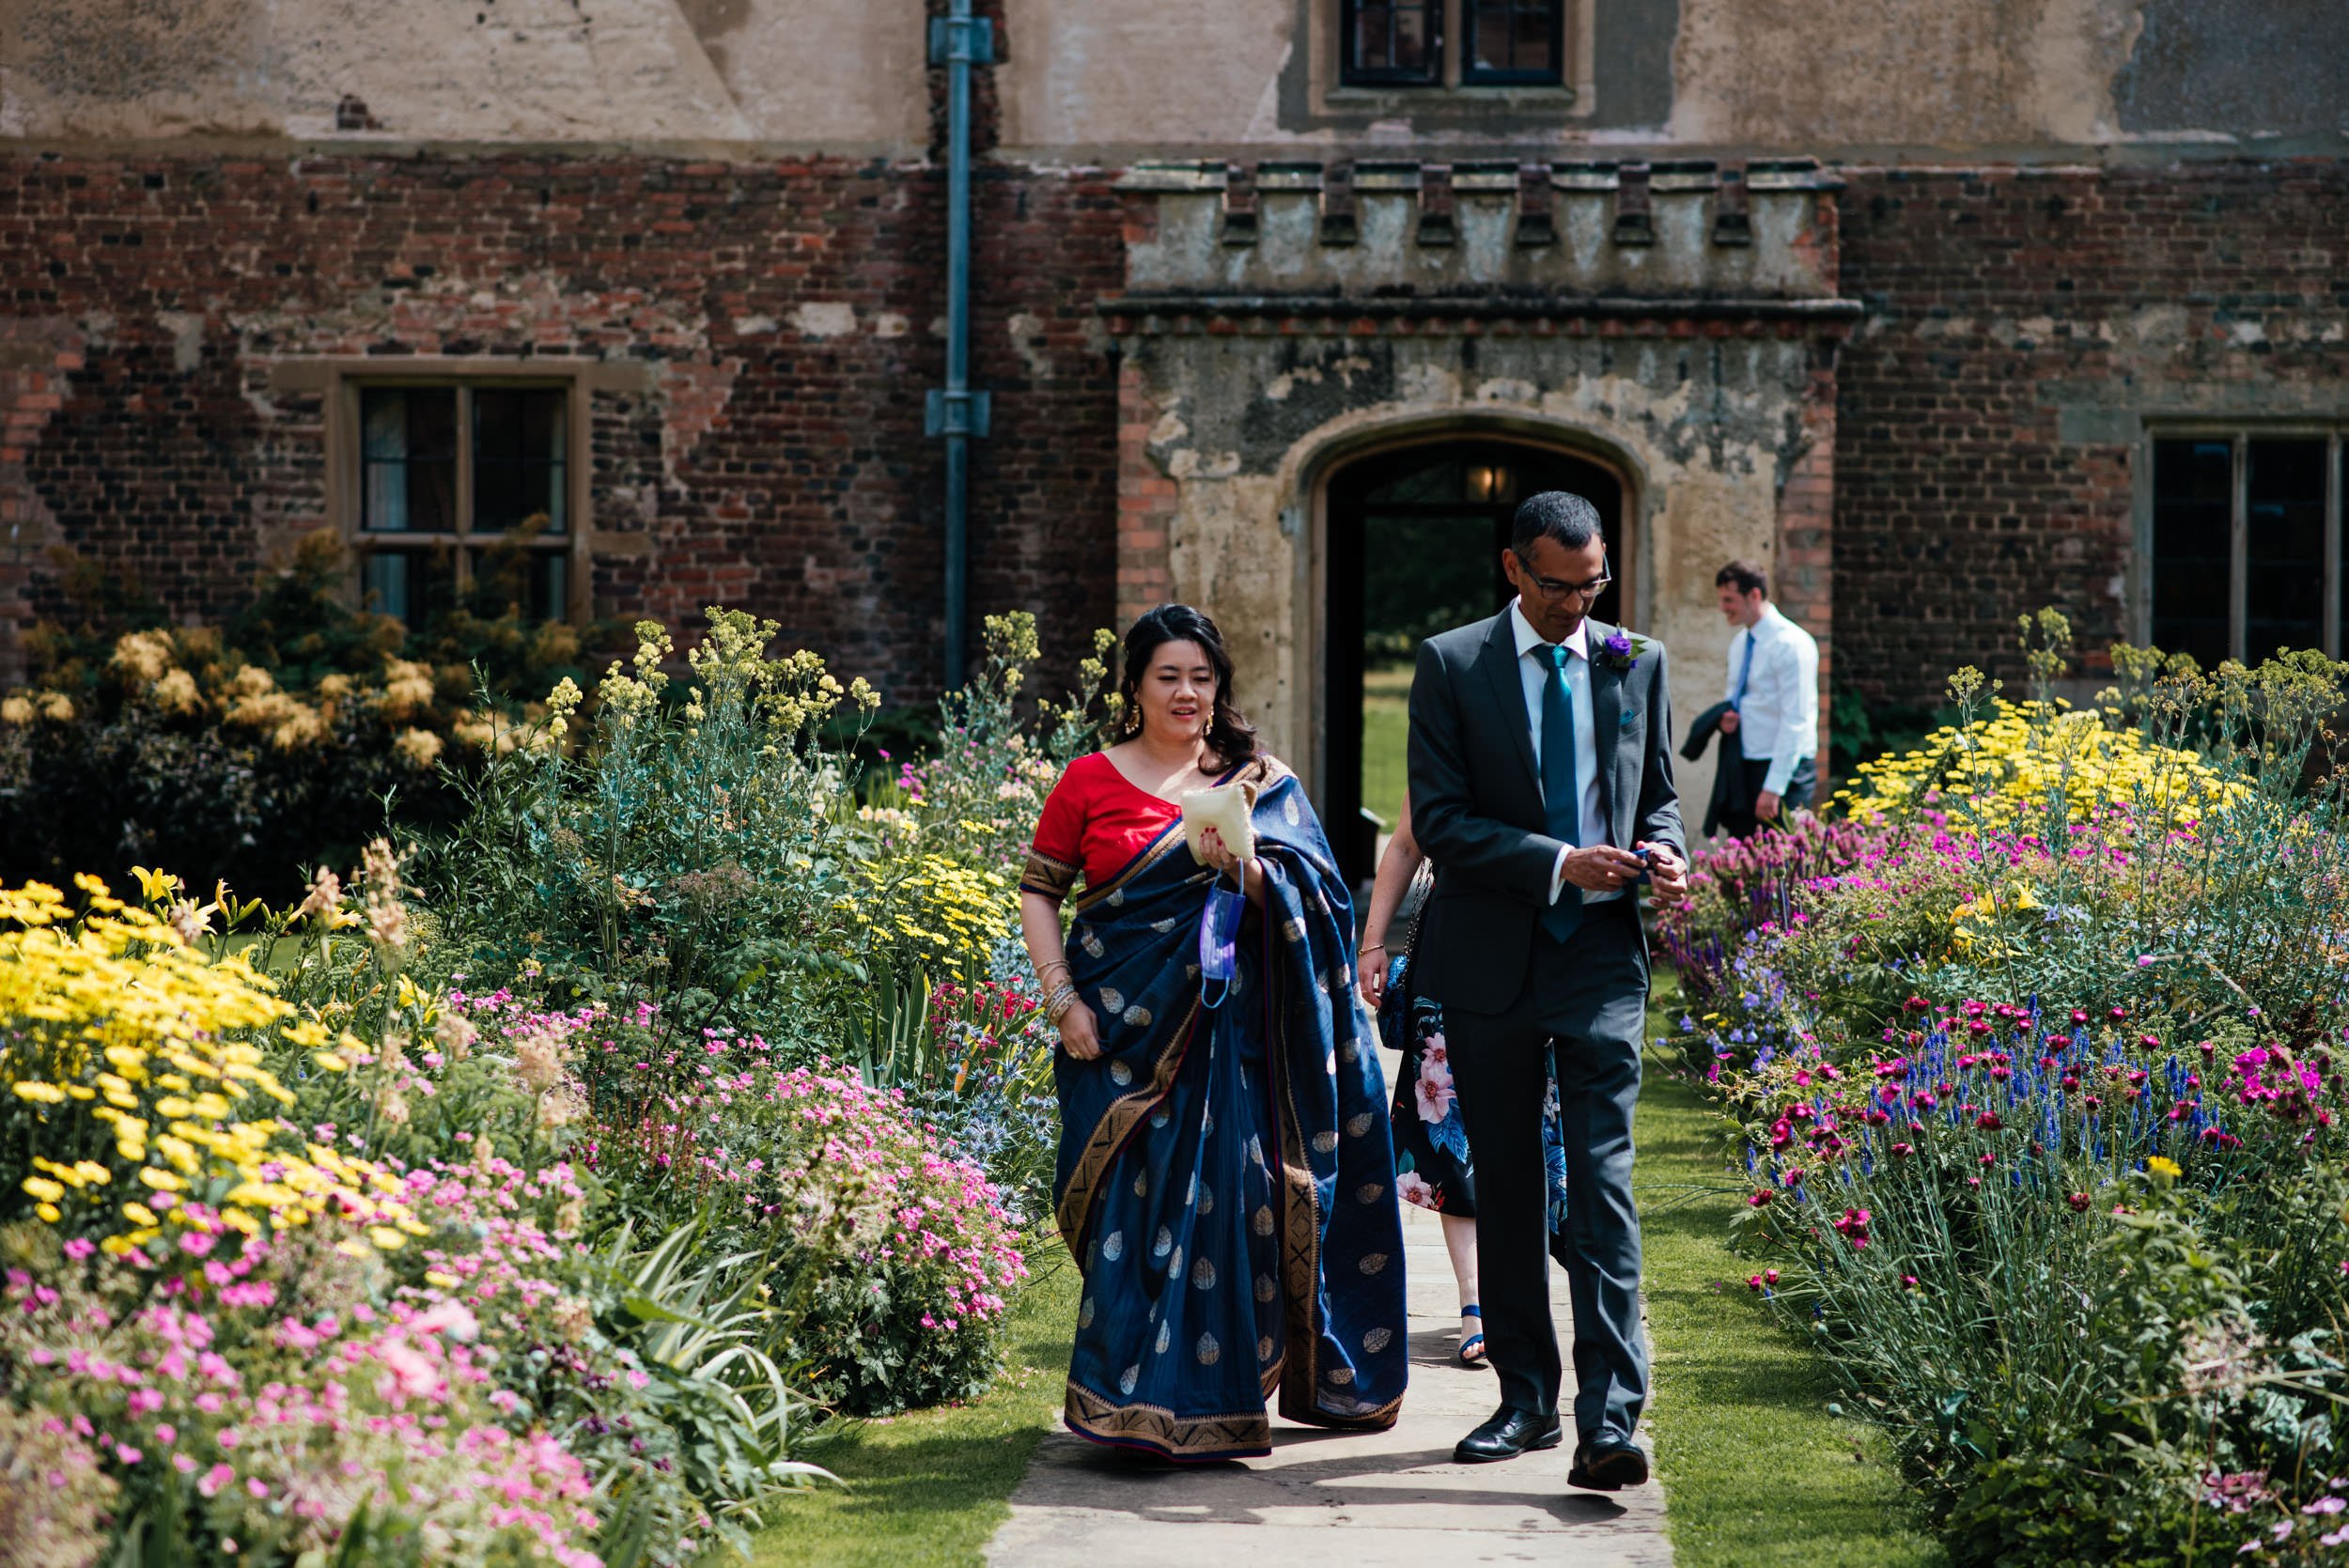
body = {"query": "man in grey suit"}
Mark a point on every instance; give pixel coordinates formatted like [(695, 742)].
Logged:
[(1541, 789)]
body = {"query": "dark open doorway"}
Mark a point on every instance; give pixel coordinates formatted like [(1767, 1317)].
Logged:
[(1414, 543)]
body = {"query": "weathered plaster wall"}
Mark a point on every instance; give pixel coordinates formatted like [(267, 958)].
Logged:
[(1819, 74), (1110, 80), (1867, 78), (841, 74), (1173, 72), (1709, 430), (2263, 68)]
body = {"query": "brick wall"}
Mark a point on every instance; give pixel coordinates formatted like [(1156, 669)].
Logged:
[(1149, 503), (35, 359), (2020, 323), (792, 312), (1975, 463)]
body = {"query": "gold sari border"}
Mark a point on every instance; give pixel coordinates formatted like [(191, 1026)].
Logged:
[(1044, 874), (1109, 1133), (1241, 1435)]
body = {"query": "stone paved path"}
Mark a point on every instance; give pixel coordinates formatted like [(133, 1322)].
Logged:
[(1391, 1499)]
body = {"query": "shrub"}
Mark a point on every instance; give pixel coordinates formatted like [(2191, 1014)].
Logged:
[(235, 753), (918, 1317), (545, 1186), (2035, 1058), (411, 1358), (685, 853), (905, 1306)]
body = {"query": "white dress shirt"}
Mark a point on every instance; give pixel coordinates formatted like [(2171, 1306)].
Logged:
[(1777, 719), (1535, 672)]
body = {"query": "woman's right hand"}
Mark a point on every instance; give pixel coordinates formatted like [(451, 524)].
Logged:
[(1079, 1035), (1370, 975)]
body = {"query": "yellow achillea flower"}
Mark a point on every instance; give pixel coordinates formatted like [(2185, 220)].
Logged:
[(113, 1017), (2025, 754)]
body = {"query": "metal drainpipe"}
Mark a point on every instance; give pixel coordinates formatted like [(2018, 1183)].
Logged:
[(958, 41)]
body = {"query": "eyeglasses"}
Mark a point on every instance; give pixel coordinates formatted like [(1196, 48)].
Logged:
[(1553, 590)]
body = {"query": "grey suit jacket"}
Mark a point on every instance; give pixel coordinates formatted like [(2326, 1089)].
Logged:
[(1476, 800)]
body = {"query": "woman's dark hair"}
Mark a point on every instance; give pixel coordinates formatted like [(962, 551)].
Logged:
[(1229, 736)]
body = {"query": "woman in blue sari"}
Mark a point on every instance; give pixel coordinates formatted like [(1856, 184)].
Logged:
[(1226, 1177)]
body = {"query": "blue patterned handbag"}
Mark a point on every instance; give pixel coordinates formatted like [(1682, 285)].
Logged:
[(1395, 1002)]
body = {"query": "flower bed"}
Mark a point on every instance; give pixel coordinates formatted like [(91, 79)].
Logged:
[(514, 1203), (2035, 1060)]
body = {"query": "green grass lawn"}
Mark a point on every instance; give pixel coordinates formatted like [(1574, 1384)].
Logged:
[(1386, 728), (1755, 1471), (929, 1488)]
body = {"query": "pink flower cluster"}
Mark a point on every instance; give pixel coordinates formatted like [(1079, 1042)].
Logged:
[(287, 1422)]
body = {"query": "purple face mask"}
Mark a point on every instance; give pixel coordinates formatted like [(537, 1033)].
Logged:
[(1219, 941)]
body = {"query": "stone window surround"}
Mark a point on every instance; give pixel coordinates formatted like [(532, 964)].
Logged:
[(2331, 427), (1427, 105), (339, 381)]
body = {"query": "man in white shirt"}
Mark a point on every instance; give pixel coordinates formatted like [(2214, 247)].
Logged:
[(1773, 696)]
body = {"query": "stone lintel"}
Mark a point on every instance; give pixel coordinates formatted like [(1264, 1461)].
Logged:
[(1182, 176), (1184, 314)]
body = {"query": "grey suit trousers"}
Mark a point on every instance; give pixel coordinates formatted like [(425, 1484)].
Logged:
[(1584, 1007)]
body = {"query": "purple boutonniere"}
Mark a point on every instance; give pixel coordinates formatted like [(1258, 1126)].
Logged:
[(1620, 650)]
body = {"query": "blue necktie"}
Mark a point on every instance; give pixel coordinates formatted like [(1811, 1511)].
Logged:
[(1562, 801), (1745, 671)]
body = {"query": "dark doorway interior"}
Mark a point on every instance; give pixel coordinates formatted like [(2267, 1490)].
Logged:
[(1415, 537)]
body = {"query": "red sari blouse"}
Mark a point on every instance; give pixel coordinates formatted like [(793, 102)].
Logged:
[(1094, 822)]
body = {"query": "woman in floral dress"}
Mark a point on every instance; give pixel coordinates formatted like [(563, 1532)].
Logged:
[(1432, 1163)]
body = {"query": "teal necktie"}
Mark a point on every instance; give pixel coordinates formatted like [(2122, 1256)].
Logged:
[(1561, 800)]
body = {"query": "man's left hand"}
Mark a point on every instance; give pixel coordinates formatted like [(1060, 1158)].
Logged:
[(1669, 874), (1766, 806)]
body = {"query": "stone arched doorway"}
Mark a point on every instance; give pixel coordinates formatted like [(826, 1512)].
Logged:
[(1411, 535)]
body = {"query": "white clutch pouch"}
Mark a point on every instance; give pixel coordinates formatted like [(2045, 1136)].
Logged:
[(1230, 810)]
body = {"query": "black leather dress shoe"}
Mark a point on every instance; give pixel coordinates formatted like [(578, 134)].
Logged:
[(1510, 1432), (1608, 1465)]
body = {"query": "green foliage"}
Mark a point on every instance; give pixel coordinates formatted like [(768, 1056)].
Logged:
[(692, 853), (568, 1073), (927, 1489), (292, 734), (2036, 1064), (1761, 1468), (1860, 731)]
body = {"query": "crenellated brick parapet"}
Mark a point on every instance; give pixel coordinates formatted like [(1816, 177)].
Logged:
[(1697, 233)]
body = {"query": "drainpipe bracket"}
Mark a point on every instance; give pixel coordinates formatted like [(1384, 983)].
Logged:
[(962, 38), (958, 413)]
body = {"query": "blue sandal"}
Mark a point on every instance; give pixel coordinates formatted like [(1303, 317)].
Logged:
[(1475, 1341)]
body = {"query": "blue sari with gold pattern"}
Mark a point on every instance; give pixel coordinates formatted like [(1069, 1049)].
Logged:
[(1227, 1173)]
